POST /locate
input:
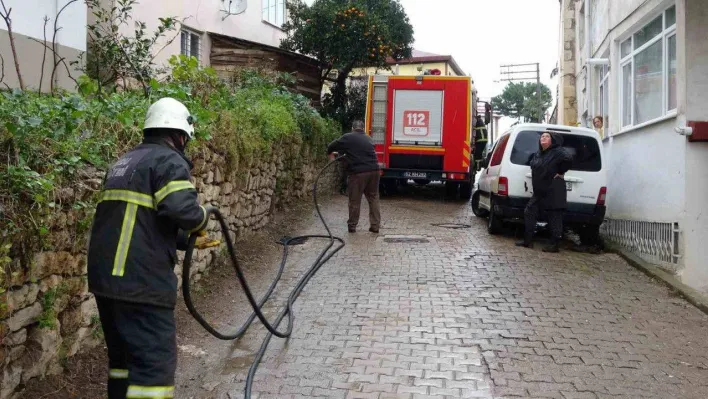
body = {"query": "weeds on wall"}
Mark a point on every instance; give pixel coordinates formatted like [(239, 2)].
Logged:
[(47, 142)]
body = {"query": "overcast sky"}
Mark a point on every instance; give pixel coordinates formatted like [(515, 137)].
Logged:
[(483, 34)]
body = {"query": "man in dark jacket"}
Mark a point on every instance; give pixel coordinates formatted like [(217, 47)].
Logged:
[(147, 203), (362, 169), (548, 166)]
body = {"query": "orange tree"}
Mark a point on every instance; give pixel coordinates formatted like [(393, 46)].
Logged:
[(344, 35)]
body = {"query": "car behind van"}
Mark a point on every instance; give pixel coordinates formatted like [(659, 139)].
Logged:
[(504, 187)]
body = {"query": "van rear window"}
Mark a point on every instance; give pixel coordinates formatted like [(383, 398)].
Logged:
[(585, 150)]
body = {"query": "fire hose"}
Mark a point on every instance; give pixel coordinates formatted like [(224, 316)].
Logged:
[(334, 245)]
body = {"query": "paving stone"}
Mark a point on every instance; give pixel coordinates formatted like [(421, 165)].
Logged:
[(467, 314)]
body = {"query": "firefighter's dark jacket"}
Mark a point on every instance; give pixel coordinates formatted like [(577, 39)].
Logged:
[(146, 203)]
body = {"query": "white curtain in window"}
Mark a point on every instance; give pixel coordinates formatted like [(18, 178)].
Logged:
[(671, 84), (626, 95), (648, 80)]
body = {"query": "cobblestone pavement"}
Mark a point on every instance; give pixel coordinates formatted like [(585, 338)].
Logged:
[(458, 313)]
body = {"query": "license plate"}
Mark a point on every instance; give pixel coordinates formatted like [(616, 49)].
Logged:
[(568, 186), (415, 175)]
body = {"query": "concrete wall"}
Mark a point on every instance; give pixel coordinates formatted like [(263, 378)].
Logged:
[(646, 174), (30, 55), (28, 24), (206, 16), (28, 19), (694, 63)]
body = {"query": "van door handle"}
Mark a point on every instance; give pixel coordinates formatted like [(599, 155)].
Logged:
[(526, 187), (528, 175), (573, 179)]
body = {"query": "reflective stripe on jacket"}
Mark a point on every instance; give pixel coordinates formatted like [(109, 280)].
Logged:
[(146, 200)]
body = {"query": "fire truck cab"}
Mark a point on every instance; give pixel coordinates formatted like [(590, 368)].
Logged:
[(422, 129)]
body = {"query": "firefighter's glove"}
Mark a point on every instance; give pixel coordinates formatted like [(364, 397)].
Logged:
[(204, 242)]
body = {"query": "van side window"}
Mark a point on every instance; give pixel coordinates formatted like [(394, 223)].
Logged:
[(499, 151)]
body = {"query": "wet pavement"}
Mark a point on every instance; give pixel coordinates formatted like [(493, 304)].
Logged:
[(435, 307)]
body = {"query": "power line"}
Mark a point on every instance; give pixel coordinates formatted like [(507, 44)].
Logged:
[(511, 70)]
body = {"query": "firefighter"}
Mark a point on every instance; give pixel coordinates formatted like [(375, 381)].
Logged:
[(480, 140), (147, 209)]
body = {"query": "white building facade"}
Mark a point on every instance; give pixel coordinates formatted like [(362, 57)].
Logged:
[(643, 66), (258, 21), (28, 27)]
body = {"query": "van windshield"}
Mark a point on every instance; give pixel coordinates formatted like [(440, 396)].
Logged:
[(585, 151)]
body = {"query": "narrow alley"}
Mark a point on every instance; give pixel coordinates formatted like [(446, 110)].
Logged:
[(431, 310)]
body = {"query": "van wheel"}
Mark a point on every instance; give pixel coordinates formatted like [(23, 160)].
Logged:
[(479, 212), (494, 223), (589, 234)]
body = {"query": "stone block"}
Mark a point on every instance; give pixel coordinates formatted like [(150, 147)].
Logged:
[(17, 338), (11, 379), (218, 176), (89, 309), (22, 297), (24, 317), (48, 340)]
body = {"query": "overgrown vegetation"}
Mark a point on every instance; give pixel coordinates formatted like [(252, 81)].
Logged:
[(48, 317), (47, 141)]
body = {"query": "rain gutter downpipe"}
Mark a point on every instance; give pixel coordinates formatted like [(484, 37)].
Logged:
[(588, 75)]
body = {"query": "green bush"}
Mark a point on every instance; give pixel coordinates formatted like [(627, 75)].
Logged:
[(46, 140)]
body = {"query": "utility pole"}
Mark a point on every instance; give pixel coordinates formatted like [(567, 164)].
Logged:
[(509, 73)]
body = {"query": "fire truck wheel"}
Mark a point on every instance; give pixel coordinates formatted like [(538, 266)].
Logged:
[(451, 189), (494, 223), (466, 190), (479, 212)]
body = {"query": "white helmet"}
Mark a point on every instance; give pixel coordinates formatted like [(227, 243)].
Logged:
[(168, 113)]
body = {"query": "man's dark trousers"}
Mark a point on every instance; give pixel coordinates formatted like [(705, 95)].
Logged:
[(367, 184), (142, 350)]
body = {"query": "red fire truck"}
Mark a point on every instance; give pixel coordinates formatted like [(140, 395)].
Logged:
[(422, 129)]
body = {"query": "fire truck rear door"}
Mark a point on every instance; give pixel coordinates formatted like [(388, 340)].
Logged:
[(417, 117)]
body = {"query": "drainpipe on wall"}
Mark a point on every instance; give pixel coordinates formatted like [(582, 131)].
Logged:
[(588, 74)]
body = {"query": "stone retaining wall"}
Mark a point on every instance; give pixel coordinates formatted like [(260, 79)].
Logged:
[(49, 315)]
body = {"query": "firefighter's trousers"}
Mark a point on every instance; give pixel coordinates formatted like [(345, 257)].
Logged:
[(142, 349)]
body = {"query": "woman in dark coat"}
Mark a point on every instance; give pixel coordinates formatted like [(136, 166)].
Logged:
[(548, 166)]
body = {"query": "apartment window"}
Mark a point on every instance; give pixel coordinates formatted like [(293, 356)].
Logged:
[(191, 43), (648, 67), (274, 12), (604, 98)]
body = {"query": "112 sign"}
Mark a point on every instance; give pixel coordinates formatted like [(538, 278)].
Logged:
[(416, 123)]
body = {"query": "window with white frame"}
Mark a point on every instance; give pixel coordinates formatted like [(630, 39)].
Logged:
[(648, 71), (191, 43), (604, 98), (274, 12)]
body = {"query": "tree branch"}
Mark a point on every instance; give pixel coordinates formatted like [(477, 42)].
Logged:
[(57, 28), (60, 60), (5, 14), (44, 53), (2, 71)]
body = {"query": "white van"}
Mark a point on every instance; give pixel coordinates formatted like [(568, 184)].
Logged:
[(505, 187)]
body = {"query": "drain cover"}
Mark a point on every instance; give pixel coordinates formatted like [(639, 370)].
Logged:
[(406, 239), (297, 241), (452, 225)]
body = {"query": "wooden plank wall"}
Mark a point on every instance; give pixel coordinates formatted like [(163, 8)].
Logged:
[(227, 56)]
